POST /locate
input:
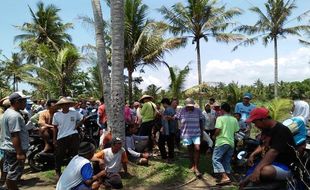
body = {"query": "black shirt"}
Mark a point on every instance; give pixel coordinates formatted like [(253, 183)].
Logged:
[(282, 140)]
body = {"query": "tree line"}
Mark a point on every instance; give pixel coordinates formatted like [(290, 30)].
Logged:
[(51, 63)]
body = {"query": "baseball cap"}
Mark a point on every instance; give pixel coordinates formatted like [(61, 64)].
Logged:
[(17, 96), (258, 113), (247, 95), (189, 102)]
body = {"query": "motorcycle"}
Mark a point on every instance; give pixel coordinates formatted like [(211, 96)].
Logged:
[(90, 130), (39, 161), (245, 145)]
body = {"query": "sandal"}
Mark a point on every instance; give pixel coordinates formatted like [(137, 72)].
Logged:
[(197, 174), (224, 182)]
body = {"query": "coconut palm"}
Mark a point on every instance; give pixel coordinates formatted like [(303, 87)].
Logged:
[(101, 51), (201, 19), (13, 70), (152, 90), (144, 41), (117, 76), (46, 27), (59, 66), (273, 23), (177, 79), (304, 41)]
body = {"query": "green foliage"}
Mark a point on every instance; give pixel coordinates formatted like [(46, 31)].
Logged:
[(279, 108), (145, 44), (46, 27), (152, 90), (177, 80)]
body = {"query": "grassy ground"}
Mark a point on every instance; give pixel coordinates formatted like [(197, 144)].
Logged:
[(158, 175)]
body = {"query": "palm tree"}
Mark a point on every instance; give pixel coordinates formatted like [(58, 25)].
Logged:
[(177, 79), (273, 23), (102, 56), (60, 67), (144, 41), (13, 69), (152, 90), (201, 19), (117, 82), (46, 27)]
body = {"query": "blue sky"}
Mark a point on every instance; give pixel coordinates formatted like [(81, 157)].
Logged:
[(218, 62)]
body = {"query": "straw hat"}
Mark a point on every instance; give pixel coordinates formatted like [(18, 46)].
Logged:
[(145, 96), (5, 102), (64, 100)]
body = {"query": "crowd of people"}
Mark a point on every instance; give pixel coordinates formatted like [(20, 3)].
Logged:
[(166, 125)]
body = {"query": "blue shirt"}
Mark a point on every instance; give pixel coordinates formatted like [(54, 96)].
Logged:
[(169, 125), (244, 110)]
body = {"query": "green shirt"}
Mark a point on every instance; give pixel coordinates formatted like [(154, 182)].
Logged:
[(148, 111), (228, 126)]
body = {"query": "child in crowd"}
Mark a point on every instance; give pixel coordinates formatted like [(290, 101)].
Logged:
[(242, 124)]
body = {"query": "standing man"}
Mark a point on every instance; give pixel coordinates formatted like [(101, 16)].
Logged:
[(45, 122), (225, 128), (210, 117), (191, 130), (102, 115), (244, 108), (66, 137), (148, 113), (15, 139), (167, 132)]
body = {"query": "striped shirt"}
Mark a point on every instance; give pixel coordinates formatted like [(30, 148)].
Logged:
[(190, 122)]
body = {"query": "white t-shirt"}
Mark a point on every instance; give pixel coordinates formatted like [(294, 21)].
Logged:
[(71, 176), (113, 162), (66, 123)]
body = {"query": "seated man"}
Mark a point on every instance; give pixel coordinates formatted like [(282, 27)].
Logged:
[(133, 154), (280, 149), (45, 123), (111, 160), (78, 175)]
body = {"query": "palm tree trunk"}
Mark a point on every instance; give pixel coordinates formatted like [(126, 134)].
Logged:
[(199, 70), (102, 57), (275, 68), (117, 88), (130, 85), (14, 83)]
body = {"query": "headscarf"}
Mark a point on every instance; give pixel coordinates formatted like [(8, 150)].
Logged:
[(301, 108)]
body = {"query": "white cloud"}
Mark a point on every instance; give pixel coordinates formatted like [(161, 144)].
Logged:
[(292, 67)]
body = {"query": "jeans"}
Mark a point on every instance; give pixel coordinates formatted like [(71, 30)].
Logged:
[(221, 158)]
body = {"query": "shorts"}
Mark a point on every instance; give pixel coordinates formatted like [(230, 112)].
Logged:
[(191, 140), (282, 171), (13, 167)]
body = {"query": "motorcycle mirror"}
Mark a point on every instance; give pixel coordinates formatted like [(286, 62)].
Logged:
[(241, 155)]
